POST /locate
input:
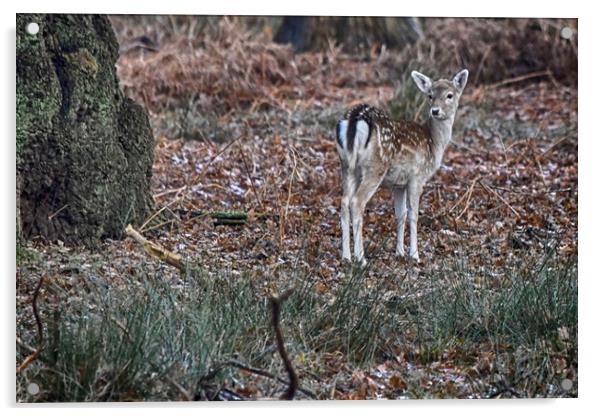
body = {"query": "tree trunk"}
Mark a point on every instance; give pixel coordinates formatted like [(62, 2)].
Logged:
[(84, 150), (355, 34)]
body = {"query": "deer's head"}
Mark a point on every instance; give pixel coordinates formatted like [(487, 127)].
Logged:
[(443, 95)]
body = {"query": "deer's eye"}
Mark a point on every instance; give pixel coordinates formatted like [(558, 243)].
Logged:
[(430, 96), (450, 96)]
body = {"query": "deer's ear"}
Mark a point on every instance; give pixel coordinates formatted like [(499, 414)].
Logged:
[(460, 80), (423, 82)]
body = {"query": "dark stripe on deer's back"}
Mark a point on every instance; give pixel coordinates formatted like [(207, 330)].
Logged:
[(339, 139), (351, 134)]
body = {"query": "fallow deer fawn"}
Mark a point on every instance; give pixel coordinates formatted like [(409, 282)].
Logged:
[(401, 155)]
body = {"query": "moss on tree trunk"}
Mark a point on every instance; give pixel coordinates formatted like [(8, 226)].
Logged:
[(84, 150)]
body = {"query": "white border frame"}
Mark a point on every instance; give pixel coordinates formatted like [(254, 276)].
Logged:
[(589, 187)]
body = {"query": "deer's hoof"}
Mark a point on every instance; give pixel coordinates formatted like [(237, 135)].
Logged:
[(361, 262)]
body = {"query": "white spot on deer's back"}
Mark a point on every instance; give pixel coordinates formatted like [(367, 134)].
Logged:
[(362, 130)]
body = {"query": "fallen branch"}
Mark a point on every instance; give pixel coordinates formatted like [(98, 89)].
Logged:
[(218, 154), (152, 217), (293, 382), (248, 172), (36, 353), (28, 360), (519, 78), (189, 397), (469, 194), (54, 214), (493, 192), (36, 315), (264, 373), (24, 345), (156, 250), (276, 302), (282, 224), (169, 191)]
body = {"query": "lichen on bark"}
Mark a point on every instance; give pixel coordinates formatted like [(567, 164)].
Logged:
[(84, 150)]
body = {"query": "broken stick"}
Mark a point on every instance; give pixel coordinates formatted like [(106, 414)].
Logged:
[(155, 249), (34, 305), (276, 302)]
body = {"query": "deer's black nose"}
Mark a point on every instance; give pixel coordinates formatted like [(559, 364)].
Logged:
[(435, 111)]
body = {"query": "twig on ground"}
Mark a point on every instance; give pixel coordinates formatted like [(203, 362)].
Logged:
[(492, 191), (156, 250), (54, 214), (122, 327), (288, 201), (102, 395), (263, 373), (553, 145), (169, 191), (160, 225), (25, 345), (293, 383), (536, 158), (219, 153), (248, 172), (469, 194), (499, 136), (34, 305), (180, 388), (276, 303), (28, 360), (557, 84), (195, 179), (151, 217)]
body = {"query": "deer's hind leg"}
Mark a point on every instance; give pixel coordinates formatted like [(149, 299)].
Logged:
[(348, 190), (369, 181)]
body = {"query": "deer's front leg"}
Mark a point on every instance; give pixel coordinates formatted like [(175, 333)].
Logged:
[(401, 212), (413, 196)]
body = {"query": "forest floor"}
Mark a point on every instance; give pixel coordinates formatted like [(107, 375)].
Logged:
[(489, 311)]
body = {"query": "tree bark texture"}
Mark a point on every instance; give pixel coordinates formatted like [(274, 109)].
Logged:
[(84, 150)]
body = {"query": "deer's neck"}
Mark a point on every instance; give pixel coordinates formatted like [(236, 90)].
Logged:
[(441, 133)]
